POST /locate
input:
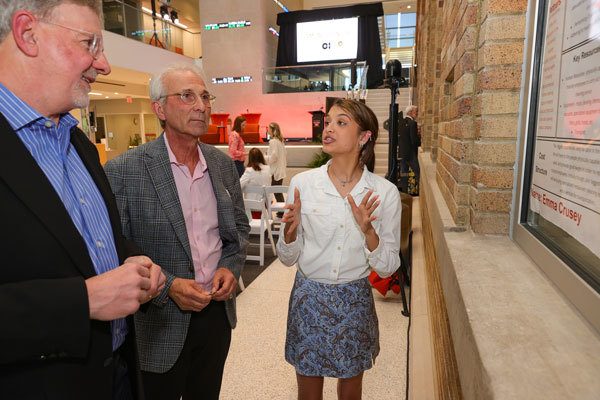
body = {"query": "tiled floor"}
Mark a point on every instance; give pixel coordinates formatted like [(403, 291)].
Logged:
[(256, 368)]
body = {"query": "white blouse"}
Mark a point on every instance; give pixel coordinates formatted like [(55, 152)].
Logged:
[(277, 158), (255, 178), (330, 247)]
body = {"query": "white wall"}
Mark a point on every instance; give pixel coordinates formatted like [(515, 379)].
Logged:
[(129, 53)]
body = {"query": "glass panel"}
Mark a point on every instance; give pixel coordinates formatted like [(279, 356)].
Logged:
[(562, 184), (392, 21), (313, 78), (408, 19), (126, 20)]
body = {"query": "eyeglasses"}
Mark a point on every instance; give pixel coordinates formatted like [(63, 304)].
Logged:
[(94, 43), (188, 97)]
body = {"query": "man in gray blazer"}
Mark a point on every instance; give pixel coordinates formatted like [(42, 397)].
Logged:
[(181, 203)]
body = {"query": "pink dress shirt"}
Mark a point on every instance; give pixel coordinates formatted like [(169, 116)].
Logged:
[(199, 207)]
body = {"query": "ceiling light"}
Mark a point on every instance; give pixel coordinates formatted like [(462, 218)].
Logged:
[(106, 97), (96, 94), (116, 92), (408, 6)]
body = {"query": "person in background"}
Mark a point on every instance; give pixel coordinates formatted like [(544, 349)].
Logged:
[(409, 143), (256, 174), (237, 152), (69, 278), (342, 221), (181, 202), (277, 158)]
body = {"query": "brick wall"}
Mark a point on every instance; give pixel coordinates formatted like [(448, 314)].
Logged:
[(469, 57)]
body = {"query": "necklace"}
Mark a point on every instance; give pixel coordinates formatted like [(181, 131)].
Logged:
[(343, 182)]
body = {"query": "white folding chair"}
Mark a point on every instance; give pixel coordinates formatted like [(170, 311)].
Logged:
[(275, 207), (253, 192), (258, 227)]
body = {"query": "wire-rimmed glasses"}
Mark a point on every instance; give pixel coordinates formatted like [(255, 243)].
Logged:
[(189, 97), (94, 43)]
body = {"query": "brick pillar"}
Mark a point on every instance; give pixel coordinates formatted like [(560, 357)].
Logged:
[(470, 56), (500, 60)]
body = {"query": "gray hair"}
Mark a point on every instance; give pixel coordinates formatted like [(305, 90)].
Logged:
[(157, 87), (39, 8), (408, 110)]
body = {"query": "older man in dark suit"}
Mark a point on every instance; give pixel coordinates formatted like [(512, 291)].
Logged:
[(64, 297), (408, 144), (181, 202)]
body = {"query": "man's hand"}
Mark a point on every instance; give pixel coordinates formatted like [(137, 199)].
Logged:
[(118, 292), (188, 294), (157, 277), (224, 284), (292, 218)]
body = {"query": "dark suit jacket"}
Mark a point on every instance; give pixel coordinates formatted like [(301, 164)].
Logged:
[(151, 216), (50, 347), (408, 138)]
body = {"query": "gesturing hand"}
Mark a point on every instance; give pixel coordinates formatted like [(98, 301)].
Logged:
[(292, 218), (363, 213)]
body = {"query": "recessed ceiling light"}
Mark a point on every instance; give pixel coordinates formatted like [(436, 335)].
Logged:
[(116, 92), (106, 97), (96, 94), (408, 6)]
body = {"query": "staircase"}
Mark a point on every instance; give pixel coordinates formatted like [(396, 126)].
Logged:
[(379, 101)]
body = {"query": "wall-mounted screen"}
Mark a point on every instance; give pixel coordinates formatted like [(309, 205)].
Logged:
[(327, 40)]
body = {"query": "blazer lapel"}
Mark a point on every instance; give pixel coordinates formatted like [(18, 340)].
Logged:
[(157, 163), (26, 179)]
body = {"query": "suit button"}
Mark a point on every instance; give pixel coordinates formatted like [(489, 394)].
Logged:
[(43, 357)]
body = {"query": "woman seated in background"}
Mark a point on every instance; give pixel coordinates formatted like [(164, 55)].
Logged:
[(237, 151), (276, 156), (257, 174)]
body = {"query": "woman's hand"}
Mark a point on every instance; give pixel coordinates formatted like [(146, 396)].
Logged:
[(363, 215), (292, 218)]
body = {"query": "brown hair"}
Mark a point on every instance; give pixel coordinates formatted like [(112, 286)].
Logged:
[(255, 158), (367, 121), (237, 124)]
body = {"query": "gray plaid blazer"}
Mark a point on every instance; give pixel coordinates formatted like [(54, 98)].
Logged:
[(144, 187)]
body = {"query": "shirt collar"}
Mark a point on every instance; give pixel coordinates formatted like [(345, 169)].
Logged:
[(173, 159), (20, 114)]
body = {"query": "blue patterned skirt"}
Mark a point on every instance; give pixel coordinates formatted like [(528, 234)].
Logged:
[(332, 330)]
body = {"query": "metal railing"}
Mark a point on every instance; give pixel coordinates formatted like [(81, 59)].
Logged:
[(132, 22)]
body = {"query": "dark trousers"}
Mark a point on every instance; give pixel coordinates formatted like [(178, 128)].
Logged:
[(413, 163), (198, 371), (121, 383), (278, 196), (239, 165)]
